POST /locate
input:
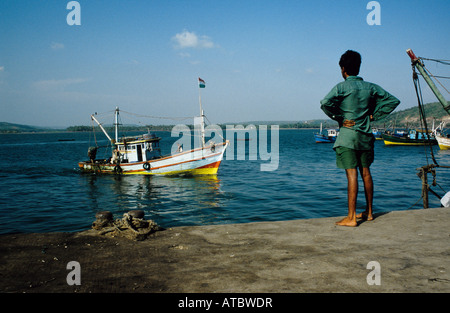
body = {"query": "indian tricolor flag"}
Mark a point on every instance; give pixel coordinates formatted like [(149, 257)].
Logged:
[(201, 83)]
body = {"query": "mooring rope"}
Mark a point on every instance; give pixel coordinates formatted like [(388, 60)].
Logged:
[(129, 226)]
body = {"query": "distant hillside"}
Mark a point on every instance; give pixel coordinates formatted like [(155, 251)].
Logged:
[(408, 117), (289, 124), (18, 128), (411, 117)]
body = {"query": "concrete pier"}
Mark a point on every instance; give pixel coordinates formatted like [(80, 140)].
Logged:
[(399, 251)]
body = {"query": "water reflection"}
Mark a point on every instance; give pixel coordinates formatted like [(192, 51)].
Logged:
[(442, 157), (180, 200)]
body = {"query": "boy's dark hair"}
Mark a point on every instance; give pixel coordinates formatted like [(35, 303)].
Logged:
[(351, 61)]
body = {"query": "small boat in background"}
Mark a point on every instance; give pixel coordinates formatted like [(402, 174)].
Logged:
[(413, 137), (377, 133), (330, 137), (443, 142), (442, 138)]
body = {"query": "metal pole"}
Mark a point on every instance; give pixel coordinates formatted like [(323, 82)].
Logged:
[(101, 127), (424, 187), (116, 123), (420, 66), (202, 118)]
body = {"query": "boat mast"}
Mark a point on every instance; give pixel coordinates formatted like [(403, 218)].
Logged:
[(416, 62), (116, 124), (424, 170), (202, 115)]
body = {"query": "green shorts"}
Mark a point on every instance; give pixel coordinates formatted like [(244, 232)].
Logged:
[(348, 158)]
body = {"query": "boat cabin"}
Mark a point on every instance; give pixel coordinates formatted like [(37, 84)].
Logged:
[(418, 134), (137, 149), (332, 132)]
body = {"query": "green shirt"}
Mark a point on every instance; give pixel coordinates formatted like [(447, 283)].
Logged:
[(356, 100)]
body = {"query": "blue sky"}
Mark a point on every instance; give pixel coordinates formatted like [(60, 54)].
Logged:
[(261, 60)]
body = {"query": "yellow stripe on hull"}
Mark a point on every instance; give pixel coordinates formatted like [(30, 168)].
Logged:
[(196, 171), (443, 142), (388, 143), (209, 169)]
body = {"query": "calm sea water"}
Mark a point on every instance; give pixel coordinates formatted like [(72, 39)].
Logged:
[(42, 189)]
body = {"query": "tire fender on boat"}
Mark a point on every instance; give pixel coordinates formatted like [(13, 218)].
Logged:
[(146, 166), (117, 169)]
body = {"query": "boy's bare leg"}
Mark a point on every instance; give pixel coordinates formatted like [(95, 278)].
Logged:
[(368, 190), (352, 193)]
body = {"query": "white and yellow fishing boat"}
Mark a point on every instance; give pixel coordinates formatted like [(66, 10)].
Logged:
[(142, 155), (443, 142), (442, 138)]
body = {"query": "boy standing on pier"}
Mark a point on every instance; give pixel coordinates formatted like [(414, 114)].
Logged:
[(354, 104)]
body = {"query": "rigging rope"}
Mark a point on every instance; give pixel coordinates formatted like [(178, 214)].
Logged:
[(428, 168), (437, 79), (445, 62), (437, 76), (422, 112), (159, 117)]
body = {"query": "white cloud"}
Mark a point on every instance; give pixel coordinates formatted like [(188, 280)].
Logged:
[(188, 39), (57, 46), (2, 68), (57, 84), (184, 55)]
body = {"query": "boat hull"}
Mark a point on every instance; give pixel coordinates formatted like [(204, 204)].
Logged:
[(443, 142), (320, 138), (396, 140), (201, 161)]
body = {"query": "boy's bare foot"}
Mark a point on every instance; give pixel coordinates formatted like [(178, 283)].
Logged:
[(347, 222), (365, 216)]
